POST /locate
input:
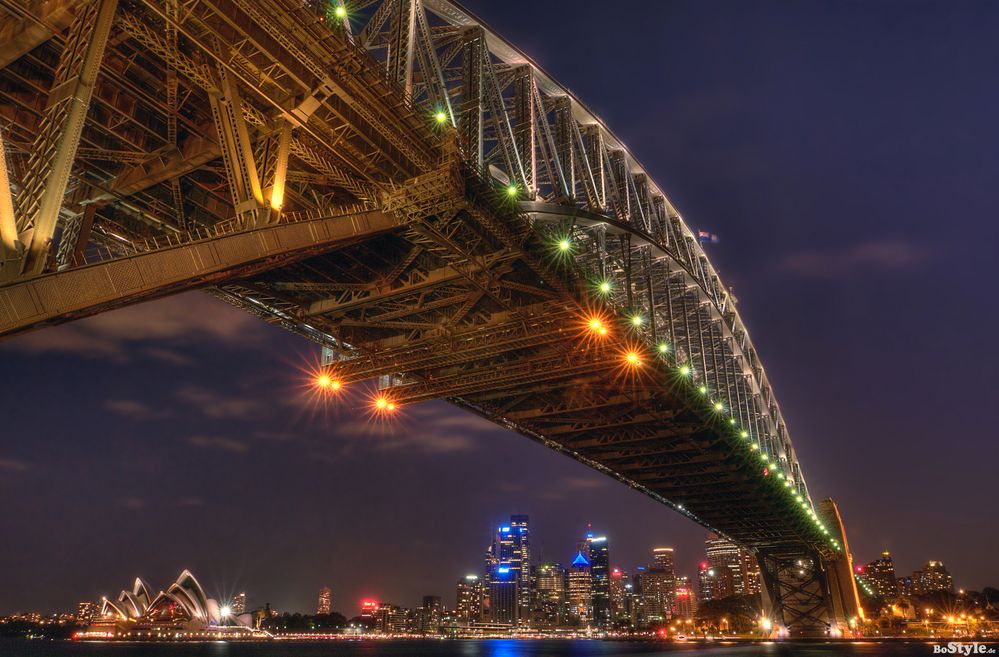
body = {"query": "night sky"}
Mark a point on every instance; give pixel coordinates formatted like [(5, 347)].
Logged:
[(847, 154)]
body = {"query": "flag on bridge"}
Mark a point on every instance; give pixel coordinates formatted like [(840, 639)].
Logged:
[(704, 237)]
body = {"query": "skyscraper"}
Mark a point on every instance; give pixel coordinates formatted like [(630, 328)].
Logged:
[(620, 589), (934, 577), (325, 604), (880, 575), (712, 583), (751, 582), (508, 561), (663, 559), (581, 588), (433, 609), (550, 594), (239, 604), (599, 557), (724, 557), (468, 605), (503, 587), (685, 602)]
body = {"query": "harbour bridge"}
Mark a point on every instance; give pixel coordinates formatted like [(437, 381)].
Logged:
[(398, 183)]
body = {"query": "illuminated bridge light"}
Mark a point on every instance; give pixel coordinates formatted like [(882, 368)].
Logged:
[(703, 390), (340, 11), (744, 434), (633, 359), (731, 420), (755, 446), (440, 117), (663, 348), (718, 406), (685, 370), (604, 286), (511, 191), (637, 320), (597, 326), (564, 245)]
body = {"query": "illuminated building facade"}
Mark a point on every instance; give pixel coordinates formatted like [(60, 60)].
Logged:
[(325, 603), (508, 566), (238, 604), (550, 595), (469, 600), (581, 588), (880, 576), (431, 614), (657, 595), (934, 577), (713, 583), (86, 611), (599, 557), (684, 600), (620, 592), (725, 558)]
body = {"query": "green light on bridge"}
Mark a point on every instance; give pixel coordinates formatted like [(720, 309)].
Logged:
[(511, 191), (684, 370), (703, 390), (340, 11), (719, 407), (663, 348), (440, 117)]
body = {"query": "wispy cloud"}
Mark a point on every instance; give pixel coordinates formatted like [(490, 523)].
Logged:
[(135, 409), (217, 406), (866, 257), (219, 443), (182, 319), (12, 465)]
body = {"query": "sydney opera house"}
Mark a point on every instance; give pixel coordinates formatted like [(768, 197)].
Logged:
[(181, 612)]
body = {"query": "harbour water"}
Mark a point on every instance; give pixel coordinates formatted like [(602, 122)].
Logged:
[(469, 648)]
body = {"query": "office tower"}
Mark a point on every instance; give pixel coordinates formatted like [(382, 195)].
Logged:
[(433, 610), (751, 582), (325, 604), (599, 557), (880, 576), (724, 558), (469, 600), (638, 597), (934, 577), (657, 595), (905, 586), (664, 561), (511, 551), (503, 586), (521, 562), (581, 588), (713, 583), (684, 601), (238, 604), (620, 589), (550, 584)]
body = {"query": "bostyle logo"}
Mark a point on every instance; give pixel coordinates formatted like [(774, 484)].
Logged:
[(958, 648)]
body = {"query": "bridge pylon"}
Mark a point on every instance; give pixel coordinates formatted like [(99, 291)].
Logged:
[(810, 592)]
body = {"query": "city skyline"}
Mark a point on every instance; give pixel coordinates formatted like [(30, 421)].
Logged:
[(187, 413)]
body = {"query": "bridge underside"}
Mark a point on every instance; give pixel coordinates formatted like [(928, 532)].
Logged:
[(397, 183)]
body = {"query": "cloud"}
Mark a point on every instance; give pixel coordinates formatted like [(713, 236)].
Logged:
[(134, 409), (216, 406), (879, 255), (12, 465), (131, 502), (182, 319), (219, 443)]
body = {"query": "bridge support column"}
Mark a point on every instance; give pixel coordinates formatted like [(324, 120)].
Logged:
[(796, 599)]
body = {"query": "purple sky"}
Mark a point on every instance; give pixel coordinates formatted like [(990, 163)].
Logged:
[(847, 154)]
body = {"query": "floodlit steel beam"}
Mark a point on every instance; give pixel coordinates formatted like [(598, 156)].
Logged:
[(55, 146), (74, 293)]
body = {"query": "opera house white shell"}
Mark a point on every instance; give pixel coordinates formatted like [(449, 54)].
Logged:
[(183, 604)]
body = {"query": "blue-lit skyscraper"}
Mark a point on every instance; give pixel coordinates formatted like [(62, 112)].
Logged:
[(599, 557), (508, 572)]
